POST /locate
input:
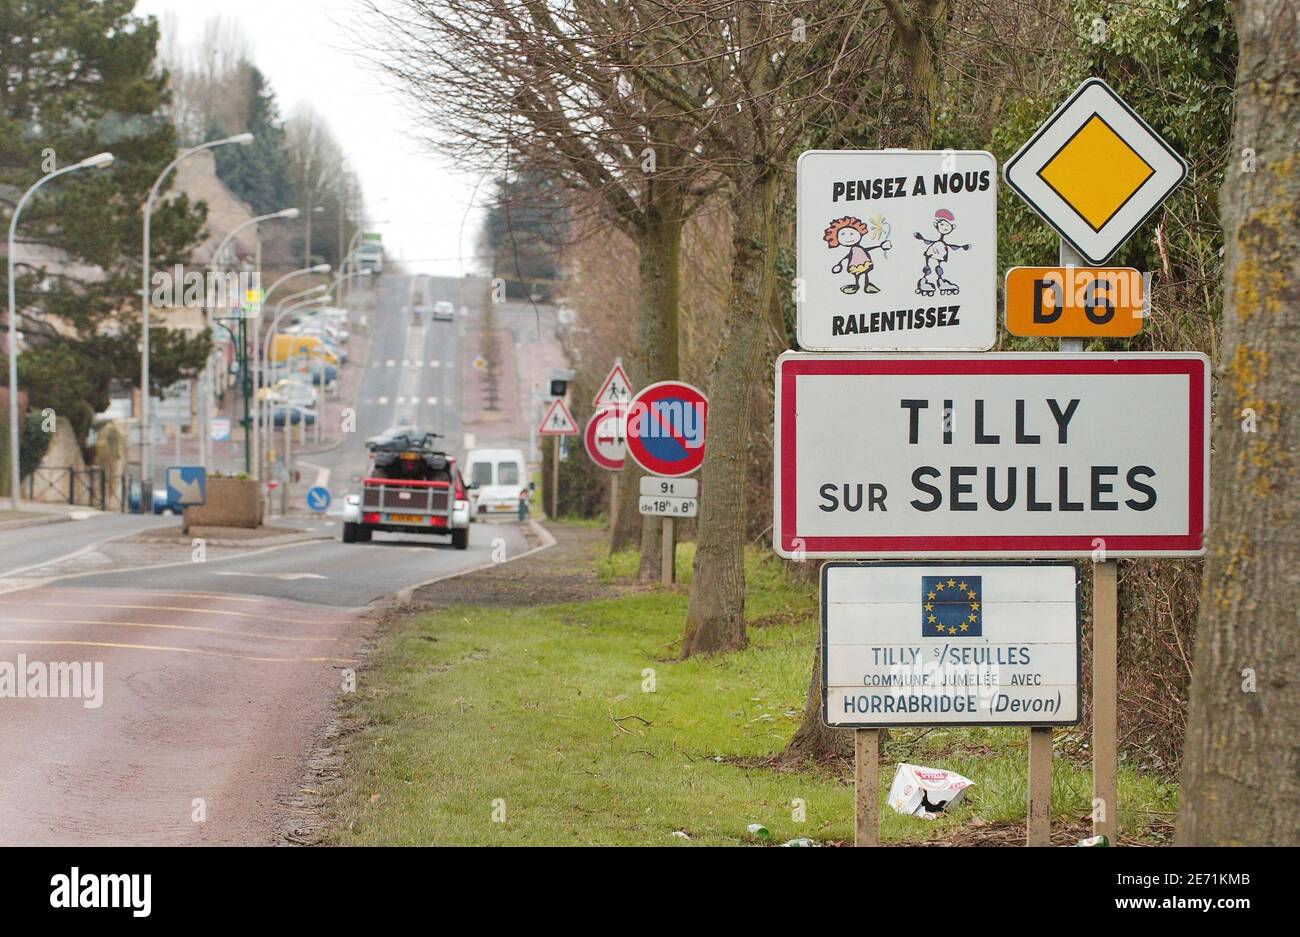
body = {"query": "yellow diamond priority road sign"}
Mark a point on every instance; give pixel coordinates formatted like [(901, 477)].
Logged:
[(1095, 170)]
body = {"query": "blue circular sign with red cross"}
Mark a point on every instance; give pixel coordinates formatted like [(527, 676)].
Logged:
[(666, 425)]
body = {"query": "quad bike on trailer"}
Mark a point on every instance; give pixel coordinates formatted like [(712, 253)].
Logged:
[(413, 488)]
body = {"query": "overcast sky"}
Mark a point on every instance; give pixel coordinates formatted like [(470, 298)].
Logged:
[(309, 51)]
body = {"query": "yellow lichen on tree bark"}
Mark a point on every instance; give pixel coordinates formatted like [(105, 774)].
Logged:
[(1241, 767)]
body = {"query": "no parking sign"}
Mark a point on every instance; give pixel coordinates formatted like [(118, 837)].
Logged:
[(666, 426)]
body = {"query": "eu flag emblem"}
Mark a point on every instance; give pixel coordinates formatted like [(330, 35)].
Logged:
[(952, 606)]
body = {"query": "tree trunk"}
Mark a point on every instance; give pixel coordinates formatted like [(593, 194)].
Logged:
[(655, 358), (715, 617), (917, 25), (814, 740), (657, 336), (1241, 763)]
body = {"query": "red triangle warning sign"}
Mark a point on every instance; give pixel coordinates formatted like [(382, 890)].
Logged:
[(616, 389), (558, 421)]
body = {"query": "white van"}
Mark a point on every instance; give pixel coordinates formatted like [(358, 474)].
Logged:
[(496, 478)]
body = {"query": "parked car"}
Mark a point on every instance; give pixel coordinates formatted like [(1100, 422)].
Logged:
[(291, 391), (293, 415), (318, 373), (164, 505), (334, 319)]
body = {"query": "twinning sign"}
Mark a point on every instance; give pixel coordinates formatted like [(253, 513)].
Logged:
[(994, 644), (1060, 455)]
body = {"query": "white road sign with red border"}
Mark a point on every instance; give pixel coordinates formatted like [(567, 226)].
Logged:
[(606, 437), (1051, 455), (558, 421), (616, 388)]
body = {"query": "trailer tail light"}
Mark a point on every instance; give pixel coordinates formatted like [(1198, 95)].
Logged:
[(370, 518), (437, 521)]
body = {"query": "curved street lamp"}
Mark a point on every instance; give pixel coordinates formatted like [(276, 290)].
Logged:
[(290, 304), (97, 161), (146, 431), (204, 391), (256, 358)]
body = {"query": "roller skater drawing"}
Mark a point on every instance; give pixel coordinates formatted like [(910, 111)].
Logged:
[(861, 238), (936, 255)]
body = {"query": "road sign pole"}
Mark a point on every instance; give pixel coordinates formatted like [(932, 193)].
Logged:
[(1039, 814), (866, 787), (288, 463), (1069, 257), (1105, 634), (1105, 657), (613, 501), (244, 384), (668, 559), (555, 478)]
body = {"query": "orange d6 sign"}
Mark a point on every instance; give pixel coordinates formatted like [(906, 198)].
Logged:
[(1074, 302)]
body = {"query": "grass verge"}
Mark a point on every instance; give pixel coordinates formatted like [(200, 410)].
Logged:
[(575, 724)]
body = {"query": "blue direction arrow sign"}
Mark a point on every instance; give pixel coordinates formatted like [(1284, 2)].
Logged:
[(187, 485), (318, 498)]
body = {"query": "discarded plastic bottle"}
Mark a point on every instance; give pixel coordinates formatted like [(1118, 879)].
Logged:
[(1100, 840), (758, 831)]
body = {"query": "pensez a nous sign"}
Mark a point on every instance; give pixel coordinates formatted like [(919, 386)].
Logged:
[(1048, 455)]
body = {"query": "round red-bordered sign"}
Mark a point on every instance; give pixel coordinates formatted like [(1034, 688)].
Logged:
[(606, 438), (666, 427)]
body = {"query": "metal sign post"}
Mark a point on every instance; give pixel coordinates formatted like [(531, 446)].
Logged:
[(1105, 674), (558, 422)]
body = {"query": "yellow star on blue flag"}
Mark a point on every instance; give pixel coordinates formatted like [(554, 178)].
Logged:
[(952, 606)]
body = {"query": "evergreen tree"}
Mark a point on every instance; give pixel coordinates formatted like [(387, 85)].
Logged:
[(257, 173), (79, 78)]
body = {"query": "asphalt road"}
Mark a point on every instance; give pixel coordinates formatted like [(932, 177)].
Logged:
[(214, 676)]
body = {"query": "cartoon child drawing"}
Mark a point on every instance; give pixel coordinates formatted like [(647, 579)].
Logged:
[(851, 233), (936, 255)]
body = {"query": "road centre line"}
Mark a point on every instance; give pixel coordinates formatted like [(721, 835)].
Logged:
[(188, 650), (149, 624), (162, 608)]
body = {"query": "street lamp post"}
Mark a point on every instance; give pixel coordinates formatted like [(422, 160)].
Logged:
[(257, 357), (146, 433), (205, 392), (91, 162), (290, 304), (294, 302), (340, 280)]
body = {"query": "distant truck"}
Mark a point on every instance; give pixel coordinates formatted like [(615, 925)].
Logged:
[(413, 488), (370, 256)]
